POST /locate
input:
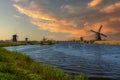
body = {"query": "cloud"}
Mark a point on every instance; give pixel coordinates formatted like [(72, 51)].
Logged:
[(70, 18), (111, 8), (94, 3), (49, 22), (17, 16), (69, 8), (35, 14), (20, 1), (16, 0)]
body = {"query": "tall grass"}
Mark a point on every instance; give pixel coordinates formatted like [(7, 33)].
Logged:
[(108, 42)]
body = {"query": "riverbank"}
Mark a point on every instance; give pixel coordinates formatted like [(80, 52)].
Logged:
[(48, 42), (16, 66), (108, 42)]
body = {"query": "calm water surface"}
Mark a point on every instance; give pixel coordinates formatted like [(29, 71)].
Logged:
[(93, 60)]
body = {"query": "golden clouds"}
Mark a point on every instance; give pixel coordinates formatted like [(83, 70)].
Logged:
[(50, 23), (111, 8), (33, 13), (77, 20), (94, 3)]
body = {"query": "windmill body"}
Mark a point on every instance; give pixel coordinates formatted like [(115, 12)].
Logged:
[(26, 39), (98, 34), (14, 38), (81, 38), (44, 39)]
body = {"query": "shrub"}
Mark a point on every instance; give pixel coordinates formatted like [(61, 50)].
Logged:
[(81, 77)]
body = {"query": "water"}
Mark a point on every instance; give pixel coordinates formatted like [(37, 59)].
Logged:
[(99, 61)]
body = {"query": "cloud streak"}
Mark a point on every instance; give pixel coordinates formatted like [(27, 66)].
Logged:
[(111, 8), (94, 3), (73, 19)]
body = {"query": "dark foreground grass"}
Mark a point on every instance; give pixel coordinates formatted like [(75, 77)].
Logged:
[(16, 66)]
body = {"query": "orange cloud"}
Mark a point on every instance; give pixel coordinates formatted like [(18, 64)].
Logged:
[(35, 14), (114, 19), (48, 20), (111, 8), (50, 23), (94, 3)]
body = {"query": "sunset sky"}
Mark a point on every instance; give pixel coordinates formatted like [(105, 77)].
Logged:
[(59, 19)]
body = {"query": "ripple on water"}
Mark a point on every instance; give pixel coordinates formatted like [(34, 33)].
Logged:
[(99, 62)]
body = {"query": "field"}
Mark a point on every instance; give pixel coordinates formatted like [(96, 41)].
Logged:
[(16, 66), (108, 42)]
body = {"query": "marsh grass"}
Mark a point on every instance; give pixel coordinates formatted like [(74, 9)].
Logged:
[(108, 42), (16, 66), (81, 77)]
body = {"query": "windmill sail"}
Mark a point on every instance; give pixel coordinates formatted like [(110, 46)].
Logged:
[(103, 34), (99, 34), (100, 28), (93, 31)]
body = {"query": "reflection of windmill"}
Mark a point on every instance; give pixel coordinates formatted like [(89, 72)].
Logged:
[(98, 34)]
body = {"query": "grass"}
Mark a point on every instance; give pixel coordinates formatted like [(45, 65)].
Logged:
[(48, 42), (16, 66), (108, 42)]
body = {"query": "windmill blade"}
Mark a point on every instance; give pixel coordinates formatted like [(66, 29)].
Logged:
[(93, 31), (100, 28), (103, 34)]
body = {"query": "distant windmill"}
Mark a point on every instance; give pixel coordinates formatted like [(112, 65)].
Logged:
[(44, 39), (98, 34), (26, 39), (81, 38), (14, 38)]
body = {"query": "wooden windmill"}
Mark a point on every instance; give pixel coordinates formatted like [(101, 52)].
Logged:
[(26, 39), (14, 39), (81, 38), (98, 34), (44, 39)]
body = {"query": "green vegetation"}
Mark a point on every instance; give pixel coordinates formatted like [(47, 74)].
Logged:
[(85, 41), (48, 42), (81, 77), (16, 66)]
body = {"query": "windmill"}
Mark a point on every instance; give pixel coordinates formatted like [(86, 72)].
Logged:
[(44, 39), (14, 39), (26, 39), (81, 38), (98, 34)]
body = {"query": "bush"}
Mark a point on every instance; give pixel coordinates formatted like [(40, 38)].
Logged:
[(81, 77)]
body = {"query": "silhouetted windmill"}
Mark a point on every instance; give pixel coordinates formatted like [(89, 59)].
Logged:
[(26, 39), (98, 34), (81, 38), (44, 39), (14, 38)]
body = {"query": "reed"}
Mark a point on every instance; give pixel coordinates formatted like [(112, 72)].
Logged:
[(108, 42)]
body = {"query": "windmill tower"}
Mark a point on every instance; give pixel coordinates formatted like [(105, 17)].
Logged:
[(81, 38), (98, 34), (14, 39), (44, 39), (26, 39)]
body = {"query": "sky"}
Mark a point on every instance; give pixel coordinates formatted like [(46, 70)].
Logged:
[(59, 19)]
